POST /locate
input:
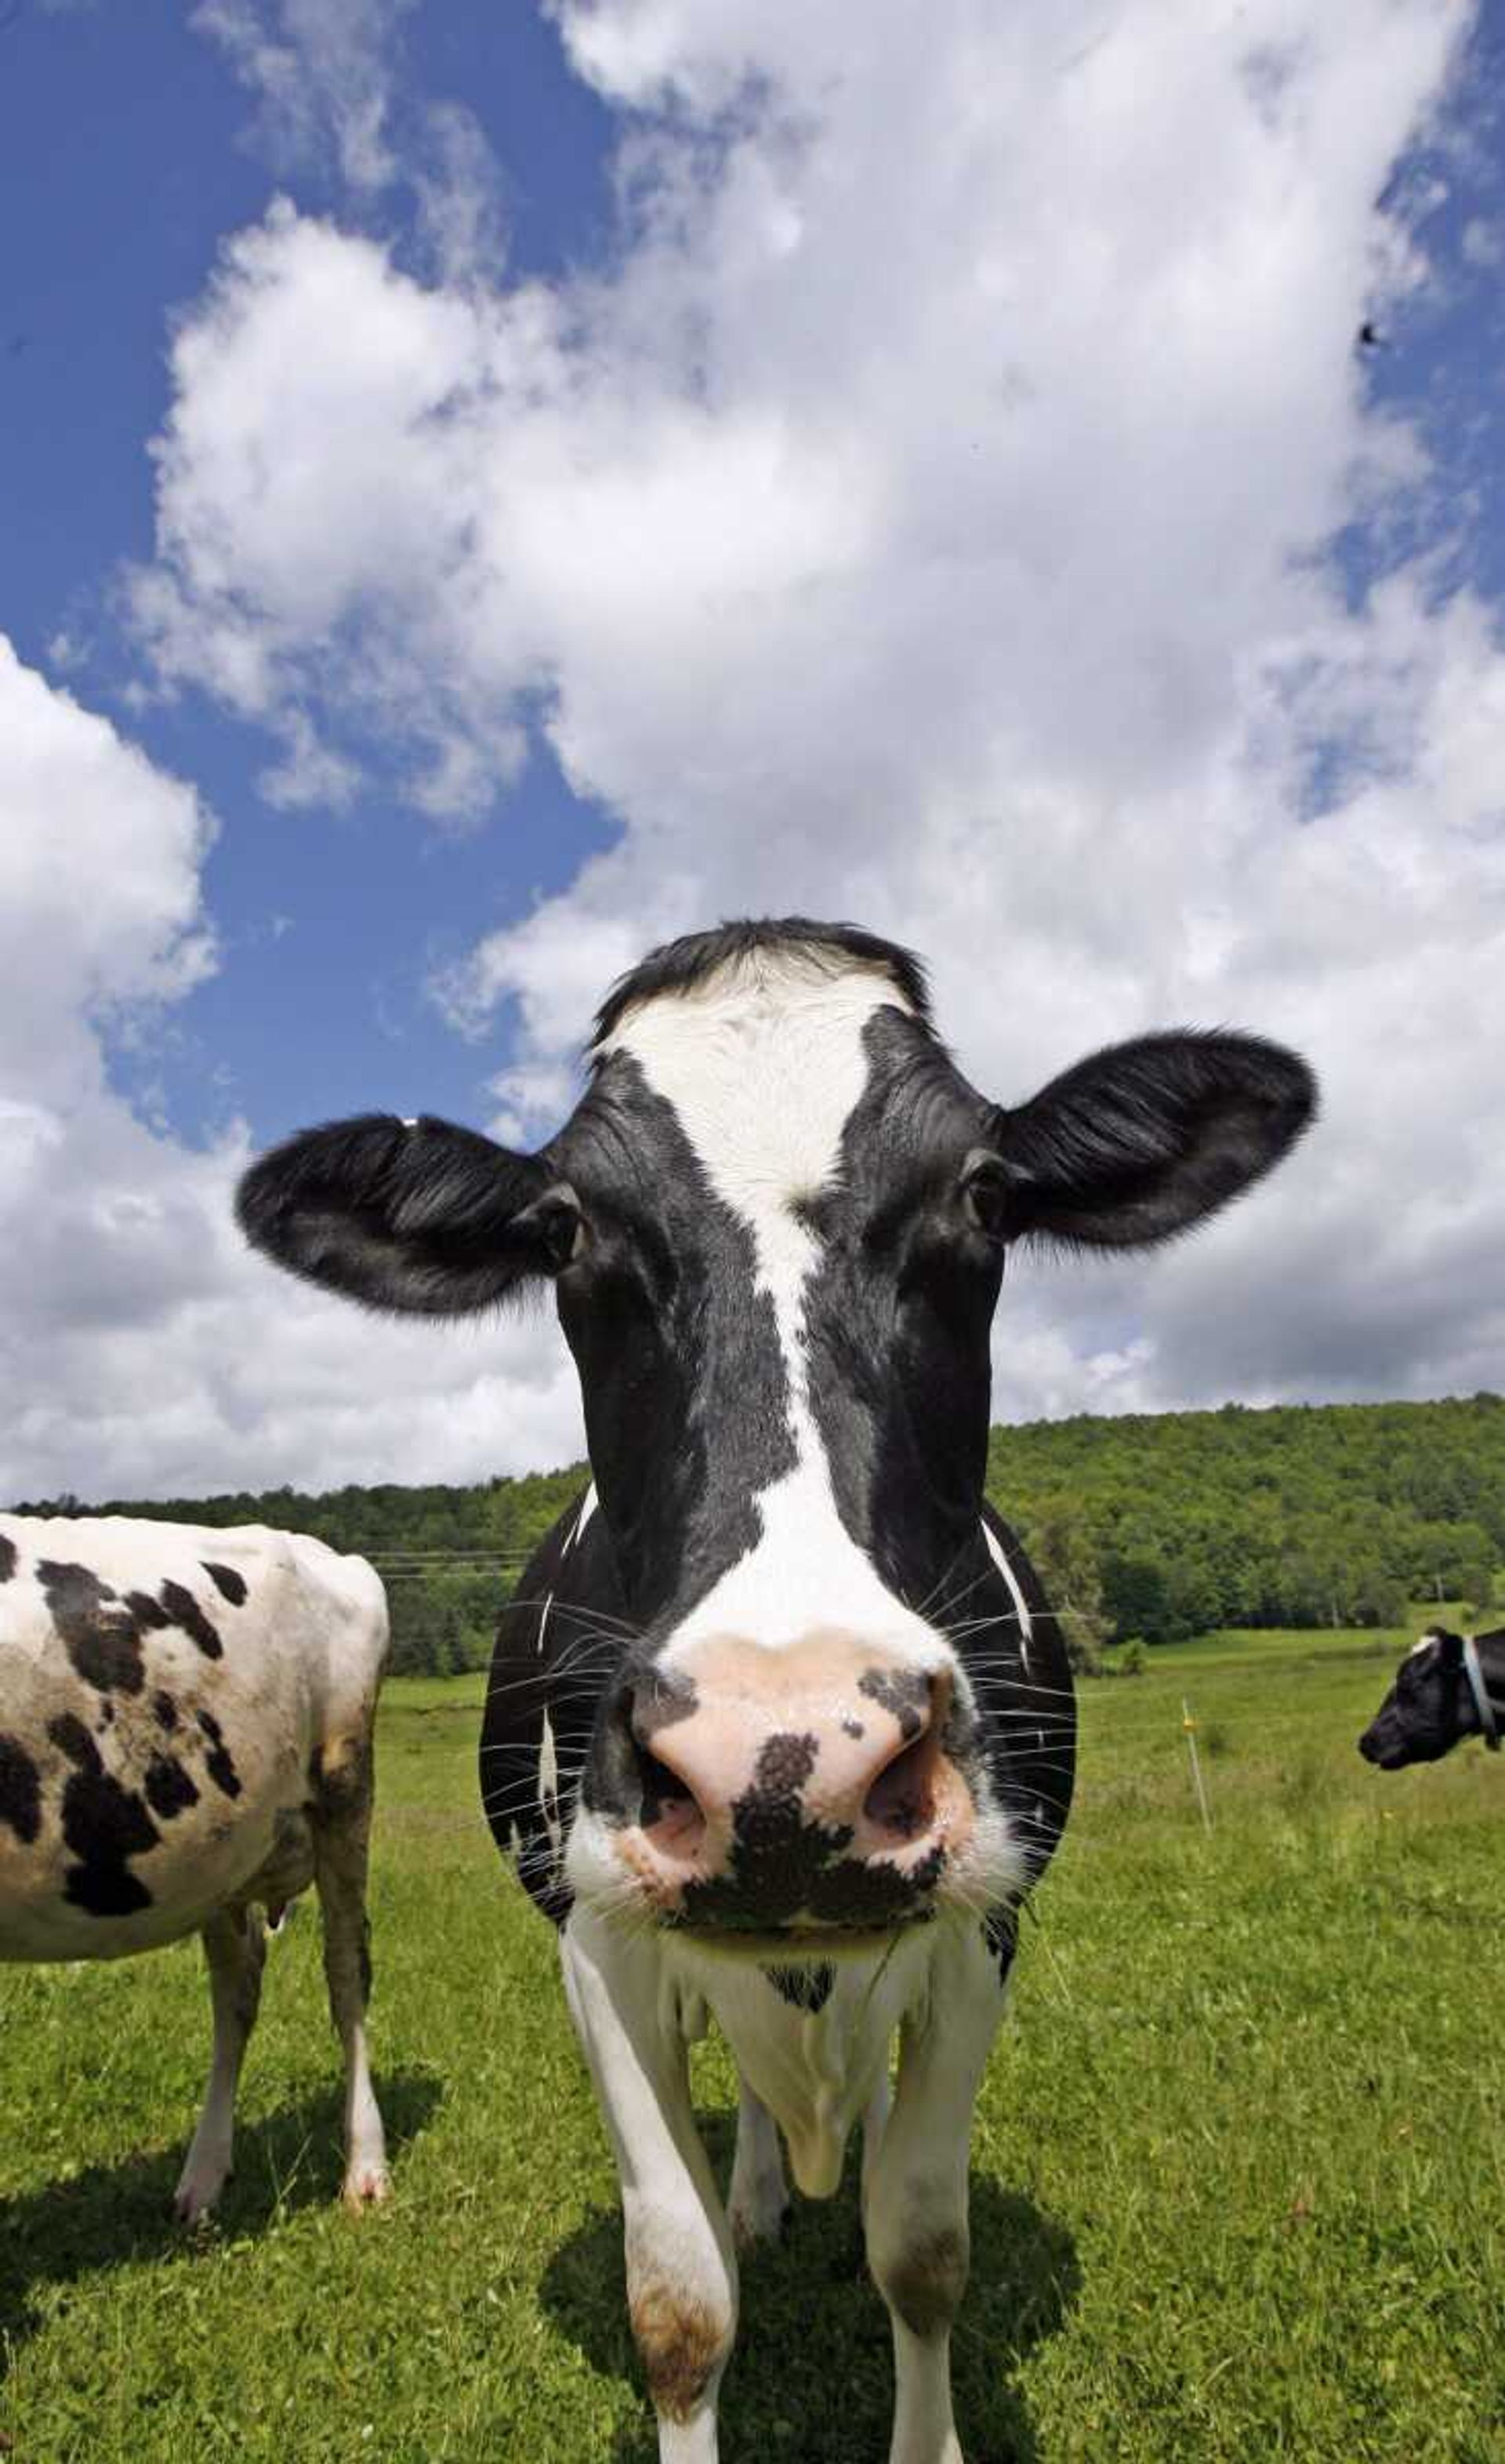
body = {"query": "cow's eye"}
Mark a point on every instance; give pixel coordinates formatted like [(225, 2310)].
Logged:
[(985, 1194), (555, 1223)]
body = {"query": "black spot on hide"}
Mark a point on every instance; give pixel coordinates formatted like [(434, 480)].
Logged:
[(904, 1693), (183, 1610), (784, 1764), (776, 1856), (20, 1790), (8, 1556), (101, 1632), (105, 1825), (165, 1711), (169, 1790), (218, 1762), (803, 1988), (876, 1893), (230, 1585), (149, 1614)]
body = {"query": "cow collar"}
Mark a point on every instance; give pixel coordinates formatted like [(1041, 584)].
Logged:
[(1481, 1701)]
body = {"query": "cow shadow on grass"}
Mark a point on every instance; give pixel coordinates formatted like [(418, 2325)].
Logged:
[(115, 2215), (812, 2375)]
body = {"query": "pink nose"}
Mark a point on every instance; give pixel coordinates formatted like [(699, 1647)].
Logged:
[(778, 1766)]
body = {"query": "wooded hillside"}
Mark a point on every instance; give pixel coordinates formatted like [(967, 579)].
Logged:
[(1151, 1526)]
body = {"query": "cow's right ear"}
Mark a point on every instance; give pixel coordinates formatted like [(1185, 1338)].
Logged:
[(419, 1216)]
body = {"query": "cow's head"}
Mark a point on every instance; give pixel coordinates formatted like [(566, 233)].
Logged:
[(1431, 1707), (777, 1223)]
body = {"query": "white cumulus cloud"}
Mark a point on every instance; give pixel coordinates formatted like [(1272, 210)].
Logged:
[(924, 519), (145, 1351)]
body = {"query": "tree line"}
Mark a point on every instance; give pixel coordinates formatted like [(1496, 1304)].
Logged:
[(1147, 1527), (1174, 1524)]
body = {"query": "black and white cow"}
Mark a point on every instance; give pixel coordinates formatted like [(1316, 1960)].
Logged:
[(780, 1726), (186, 1739), (1447, 1688)]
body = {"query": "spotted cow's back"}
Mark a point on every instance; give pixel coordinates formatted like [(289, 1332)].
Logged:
[(163, 1695)]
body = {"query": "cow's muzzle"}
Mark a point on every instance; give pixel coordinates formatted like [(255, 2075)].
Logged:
[(805, 1788), (1385, 1744)]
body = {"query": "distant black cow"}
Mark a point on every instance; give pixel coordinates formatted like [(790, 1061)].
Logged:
[(1448, 1686)]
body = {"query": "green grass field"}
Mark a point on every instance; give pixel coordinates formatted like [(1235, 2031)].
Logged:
[(1238, 2184)]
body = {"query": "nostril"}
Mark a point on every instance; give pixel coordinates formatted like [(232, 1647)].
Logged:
[(901, 1798), (668, 1810), (901, 1802)]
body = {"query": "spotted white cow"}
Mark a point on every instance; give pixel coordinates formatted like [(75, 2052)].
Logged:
[(780, 1726), (186, 1727)]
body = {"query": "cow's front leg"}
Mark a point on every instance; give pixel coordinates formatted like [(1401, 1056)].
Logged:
[(916, 2190), (681, 2277)]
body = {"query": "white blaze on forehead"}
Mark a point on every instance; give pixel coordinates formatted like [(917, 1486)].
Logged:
[(764, 1064)]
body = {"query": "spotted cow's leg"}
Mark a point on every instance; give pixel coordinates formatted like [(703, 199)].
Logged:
[(341, 1825), (681, 2274), (234, 1949), (758, 2200), (916, 2205)]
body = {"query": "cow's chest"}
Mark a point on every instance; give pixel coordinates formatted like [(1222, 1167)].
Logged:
[(813, 2043)]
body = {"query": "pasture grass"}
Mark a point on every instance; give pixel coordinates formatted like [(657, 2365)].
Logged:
[(1238, 2175)]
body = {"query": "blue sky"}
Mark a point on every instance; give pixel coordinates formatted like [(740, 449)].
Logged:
[(126, 154), (482, 487)]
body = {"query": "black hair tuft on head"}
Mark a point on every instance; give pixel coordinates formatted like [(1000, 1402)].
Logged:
[(679, 966)]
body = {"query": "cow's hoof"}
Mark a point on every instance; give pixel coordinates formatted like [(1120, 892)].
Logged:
[(366, 2185), (761, 2217), (193, 2201)]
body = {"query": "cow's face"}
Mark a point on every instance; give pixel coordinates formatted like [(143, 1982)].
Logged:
[(1427, 1710), (777, 1222)]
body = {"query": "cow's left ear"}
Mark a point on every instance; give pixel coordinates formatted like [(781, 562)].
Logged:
[(421, 1217), (1143, 1140)]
